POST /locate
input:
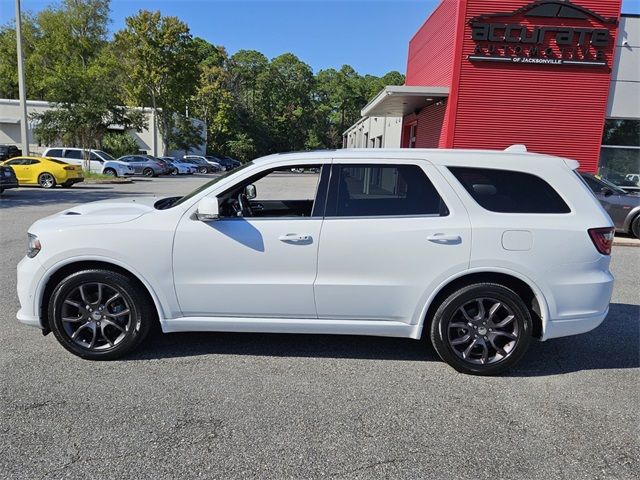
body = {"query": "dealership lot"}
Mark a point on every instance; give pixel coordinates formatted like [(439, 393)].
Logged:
[(292, 406)]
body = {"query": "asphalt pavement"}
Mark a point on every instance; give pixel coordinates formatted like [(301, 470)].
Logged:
[(222, 405)]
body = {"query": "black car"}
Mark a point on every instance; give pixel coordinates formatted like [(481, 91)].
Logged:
[(9, 151), (7, 178), (227, 162)]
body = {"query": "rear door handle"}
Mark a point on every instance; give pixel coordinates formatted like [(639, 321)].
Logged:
[(444, 238), (295, 237)]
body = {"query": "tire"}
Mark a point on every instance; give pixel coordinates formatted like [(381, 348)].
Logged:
[(174, 171), (476, 330), (110, 172), (92, 334), (148, 172), (67, 185), (635, 226), (203, 170), (46, 180)]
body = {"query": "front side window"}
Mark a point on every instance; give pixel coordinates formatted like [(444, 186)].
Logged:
[(382, 190), (508, 191)]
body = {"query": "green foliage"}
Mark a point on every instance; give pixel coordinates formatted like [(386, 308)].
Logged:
[(159, 59), (252, 105), (185, 134), (119, 144)]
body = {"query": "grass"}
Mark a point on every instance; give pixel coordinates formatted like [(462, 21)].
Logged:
[(95, 176)]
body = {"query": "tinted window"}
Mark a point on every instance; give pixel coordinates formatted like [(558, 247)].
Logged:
[(56, 152), (16, 162), (76, 154), (382, 190), (507, 191)]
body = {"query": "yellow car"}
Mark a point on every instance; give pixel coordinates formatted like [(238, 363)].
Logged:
[(43, 171)]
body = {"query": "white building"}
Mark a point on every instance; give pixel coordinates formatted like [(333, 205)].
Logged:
[(149, 139), (373, 132)]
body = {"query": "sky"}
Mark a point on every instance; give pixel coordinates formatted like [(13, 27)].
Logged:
[(370, 35)]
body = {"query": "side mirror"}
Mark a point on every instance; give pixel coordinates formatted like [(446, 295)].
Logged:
[(208, 209), (250, 191), (607, 192)]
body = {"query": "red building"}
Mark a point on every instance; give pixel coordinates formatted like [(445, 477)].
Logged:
[(489, 74)]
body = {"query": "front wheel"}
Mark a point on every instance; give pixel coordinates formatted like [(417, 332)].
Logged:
[(46, 180), (203, 170), (174, 171), (482, 329), (110, 172), (99, 314), (635, 226)]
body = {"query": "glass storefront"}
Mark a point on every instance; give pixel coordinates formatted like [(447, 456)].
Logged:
[(620, 153)]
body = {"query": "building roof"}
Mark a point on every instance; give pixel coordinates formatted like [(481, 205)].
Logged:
[(400, 100)]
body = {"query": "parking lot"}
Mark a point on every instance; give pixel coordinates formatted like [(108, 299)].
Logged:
[(222, 405)]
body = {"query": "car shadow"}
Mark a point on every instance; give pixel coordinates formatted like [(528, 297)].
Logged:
[(613, 345), (35, 196)]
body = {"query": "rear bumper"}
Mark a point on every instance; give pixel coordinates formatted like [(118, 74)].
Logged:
[(576, 326)]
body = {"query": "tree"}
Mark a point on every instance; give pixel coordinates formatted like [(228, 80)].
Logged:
[(118, 144), (159, 60), (79, 72), (185, 134)]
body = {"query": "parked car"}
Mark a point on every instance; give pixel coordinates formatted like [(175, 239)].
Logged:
[(166, 166), (97, 162), (201, 164), (481, 251), (9, 151), (7, 178), (180, 167), (227, 163), (46, 172), (622, 207), (143, 165)]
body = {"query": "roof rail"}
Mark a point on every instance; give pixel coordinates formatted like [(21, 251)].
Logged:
[(519, 148)]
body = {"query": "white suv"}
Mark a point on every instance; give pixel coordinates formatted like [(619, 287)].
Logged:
[(99, 161), (481, 251)]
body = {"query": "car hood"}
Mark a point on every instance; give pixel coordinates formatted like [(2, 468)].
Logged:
[(103, 212)]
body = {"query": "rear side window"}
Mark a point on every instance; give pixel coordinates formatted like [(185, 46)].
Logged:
[(382, 190), (506, 191), (75, 154), (55, 152)]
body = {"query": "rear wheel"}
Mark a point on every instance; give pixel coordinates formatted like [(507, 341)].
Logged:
[(482, 329), (46, 180), (635, 226), (174, 171), (110, 172), (99, 314), (202, 170), (148, 172)]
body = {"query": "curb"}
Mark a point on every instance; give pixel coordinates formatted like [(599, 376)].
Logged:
[(626, 242), (107, 182)]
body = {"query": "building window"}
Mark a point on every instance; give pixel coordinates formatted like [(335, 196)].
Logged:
[(620, 153), (412, 136)]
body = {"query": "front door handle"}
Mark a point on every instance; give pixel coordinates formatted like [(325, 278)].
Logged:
[(295, 238), (444, 238)]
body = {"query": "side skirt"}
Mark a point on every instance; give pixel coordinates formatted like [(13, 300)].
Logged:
[(291, 325)]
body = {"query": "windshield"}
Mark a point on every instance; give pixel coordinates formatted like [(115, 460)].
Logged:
[(104, 155), (208, 184)]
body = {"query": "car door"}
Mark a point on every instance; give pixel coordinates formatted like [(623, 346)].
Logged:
[(21, 169), (392, 232), (253, 266)]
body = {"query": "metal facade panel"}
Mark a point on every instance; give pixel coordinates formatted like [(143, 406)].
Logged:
[(431, 55), (555, 109)]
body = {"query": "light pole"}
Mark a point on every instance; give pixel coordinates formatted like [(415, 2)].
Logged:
[(24, 134)]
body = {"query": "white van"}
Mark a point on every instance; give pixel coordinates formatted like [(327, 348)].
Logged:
[(99, 161)]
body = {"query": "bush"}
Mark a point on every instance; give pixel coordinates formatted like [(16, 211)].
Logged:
[(119, 144)]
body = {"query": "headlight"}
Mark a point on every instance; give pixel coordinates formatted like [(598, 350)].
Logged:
[(33, 246)]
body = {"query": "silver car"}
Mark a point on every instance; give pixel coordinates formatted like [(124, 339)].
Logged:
[(143, 165), (622, 207)]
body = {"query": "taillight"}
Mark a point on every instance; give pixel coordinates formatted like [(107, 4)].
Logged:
[(602, 238), (69, 168)]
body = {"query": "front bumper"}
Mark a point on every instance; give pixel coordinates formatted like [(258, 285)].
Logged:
[(30, 274), (8, 182)]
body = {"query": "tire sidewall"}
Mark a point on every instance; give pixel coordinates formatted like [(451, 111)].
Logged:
[(129, 291), (446, 310)]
